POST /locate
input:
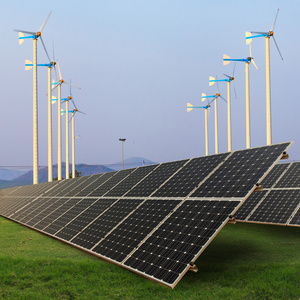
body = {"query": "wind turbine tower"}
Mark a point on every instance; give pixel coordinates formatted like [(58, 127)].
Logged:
[(214, 98), (61, 81), (230, 79), (247, 61), (28, 66), (34, 36), (267, 36), (191, 107)]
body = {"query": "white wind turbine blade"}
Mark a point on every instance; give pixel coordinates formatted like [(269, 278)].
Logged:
[(72, 85), (277, 46), (21, 41), (211, 82), (254, 64), (28, 62), (203, 96), (225, 57), (234, 89), (233, 70), (189, 107), (60, 78), (275, 20), (248, 34), (53, 99), (23, 31), (45, 48), (43, 25)]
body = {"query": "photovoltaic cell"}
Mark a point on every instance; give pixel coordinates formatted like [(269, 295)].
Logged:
[(99, 180), (274, 175), (291, 178), (130, 181), (295, 219), (167, 253), (124, 238), (189, 177), (70, 214), (110, 183), (240, 172), (277, 207), (84, 219), (248, 205), (147, 186), (100, 227)]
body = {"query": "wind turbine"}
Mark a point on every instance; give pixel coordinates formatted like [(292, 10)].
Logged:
[(34, 36), (230, 79), (214, 98), (61, 81), (247, 61), (267, 36), (28, 66), (191, 107)]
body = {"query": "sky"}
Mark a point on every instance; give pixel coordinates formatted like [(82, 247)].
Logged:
[(138, 63)]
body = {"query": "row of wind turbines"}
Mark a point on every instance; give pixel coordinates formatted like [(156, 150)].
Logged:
[(51, 99), (226, 60)]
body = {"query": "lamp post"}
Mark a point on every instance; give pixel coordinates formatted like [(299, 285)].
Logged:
[(122, 140)]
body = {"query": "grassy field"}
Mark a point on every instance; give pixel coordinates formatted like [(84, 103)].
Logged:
[(247, 261)]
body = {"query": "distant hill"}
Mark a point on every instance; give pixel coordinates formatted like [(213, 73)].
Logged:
[(10, 174), (26, 179)]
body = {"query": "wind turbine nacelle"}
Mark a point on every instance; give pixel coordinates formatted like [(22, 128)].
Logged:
[(211, 82), (225, 62), (21, 40), (248, 40), (28, 62), (203, 97), (189, 107)]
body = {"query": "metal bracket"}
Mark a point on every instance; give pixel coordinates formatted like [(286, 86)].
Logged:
[(231, 220), (285, 155), (258, 188), (193, 267)]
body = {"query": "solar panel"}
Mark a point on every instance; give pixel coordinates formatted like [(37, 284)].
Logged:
[(152, 182), (240, 171), (129, 182), (250, 203), (291, 178), (274, 175), (134, 217), (277, 207), (279, 201), (190, 176)]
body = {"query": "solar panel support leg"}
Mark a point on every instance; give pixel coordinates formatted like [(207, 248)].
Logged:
[(258, 188), (285, 155), (231, 220), (193, 267)]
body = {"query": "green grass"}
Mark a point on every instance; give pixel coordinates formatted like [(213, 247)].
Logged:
[(247, 261)]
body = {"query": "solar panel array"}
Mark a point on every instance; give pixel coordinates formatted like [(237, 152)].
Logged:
[(279, 202), (154, 220)]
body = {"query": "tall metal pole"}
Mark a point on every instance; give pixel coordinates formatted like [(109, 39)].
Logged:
[(35, 116), (247, 108), (73, 145), (67, 139), (122, 156), (206, 133), (216, 128), (268, 92), (59, 135), (229, 116), (49, 126)]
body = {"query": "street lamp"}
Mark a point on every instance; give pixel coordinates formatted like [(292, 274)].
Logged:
[(122, 140)]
